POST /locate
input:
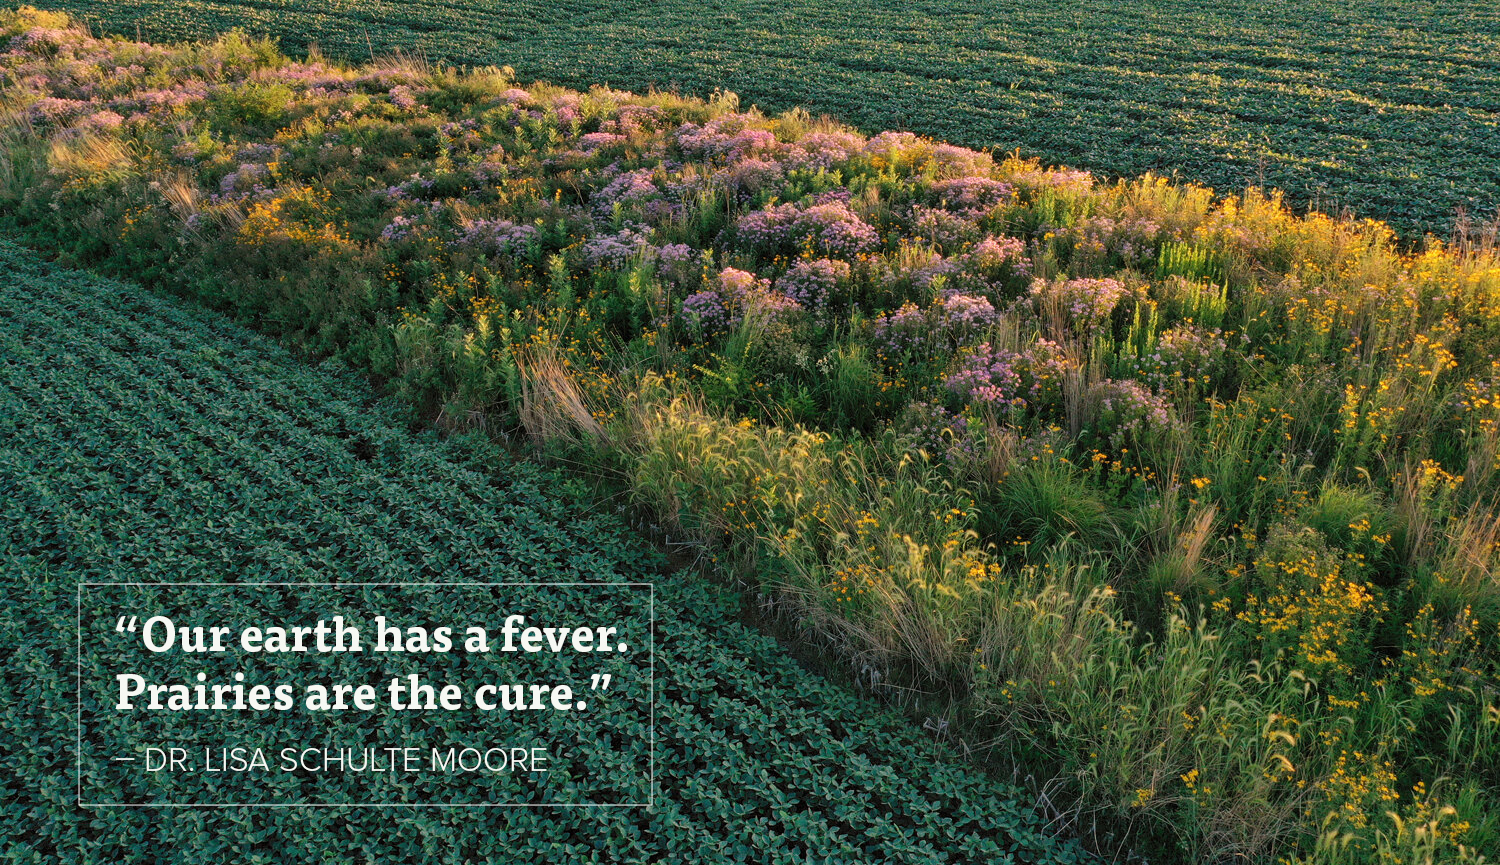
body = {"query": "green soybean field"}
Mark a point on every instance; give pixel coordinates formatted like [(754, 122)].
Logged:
[(142, 440), (1387, 107)]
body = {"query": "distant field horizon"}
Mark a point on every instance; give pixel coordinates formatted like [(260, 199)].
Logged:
[(1385, 107)]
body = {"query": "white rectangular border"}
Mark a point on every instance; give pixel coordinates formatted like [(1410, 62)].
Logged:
[(651, 782)]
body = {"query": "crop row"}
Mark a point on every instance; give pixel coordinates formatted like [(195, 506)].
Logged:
[(1187, 501), (140, 440), (1387, 106)]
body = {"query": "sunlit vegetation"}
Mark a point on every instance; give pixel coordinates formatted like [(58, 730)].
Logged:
[(1183, 503), (1384, 106), (146, 441)]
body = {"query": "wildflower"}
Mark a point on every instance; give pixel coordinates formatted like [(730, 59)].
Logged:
[(822, 151), (398, 229), (829, 228), (995, 258), (1128, 409), (729, 138), (734, 296), (949, 323), (403, 98), (1084, 305), (497, 236), (814, 284), (989, 376)]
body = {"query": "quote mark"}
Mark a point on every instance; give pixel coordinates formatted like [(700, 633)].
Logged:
[(122, 626), (599, 681)]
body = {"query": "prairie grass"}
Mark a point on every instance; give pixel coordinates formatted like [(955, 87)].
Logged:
[(1180, 505)]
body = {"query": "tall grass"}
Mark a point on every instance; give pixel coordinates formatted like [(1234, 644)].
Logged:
[(1180, 506)]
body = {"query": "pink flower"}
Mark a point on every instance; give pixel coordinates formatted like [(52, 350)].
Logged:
[(1085, 305), (403, 98), (735, 296), (830, 228), (729, 137)]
